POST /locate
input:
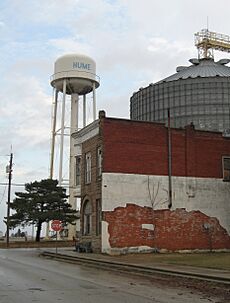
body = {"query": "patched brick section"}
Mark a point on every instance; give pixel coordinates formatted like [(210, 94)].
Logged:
[(174, 230)]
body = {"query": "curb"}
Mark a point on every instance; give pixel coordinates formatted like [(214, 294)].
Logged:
[(136, 269)]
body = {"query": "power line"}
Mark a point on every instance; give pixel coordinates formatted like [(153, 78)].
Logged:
[(3, 195), (13, 184)]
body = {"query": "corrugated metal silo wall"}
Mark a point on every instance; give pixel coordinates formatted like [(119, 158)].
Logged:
[(203, 101)]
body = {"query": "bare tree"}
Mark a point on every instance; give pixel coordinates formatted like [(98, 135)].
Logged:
[(153, 193)]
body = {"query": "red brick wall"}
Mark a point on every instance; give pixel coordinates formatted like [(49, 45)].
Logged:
[(174, 230), (141, 147)]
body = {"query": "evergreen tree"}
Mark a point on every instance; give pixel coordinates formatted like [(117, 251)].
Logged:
[(41, 202)]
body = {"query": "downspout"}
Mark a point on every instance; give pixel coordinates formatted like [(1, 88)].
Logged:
[(169, 162)]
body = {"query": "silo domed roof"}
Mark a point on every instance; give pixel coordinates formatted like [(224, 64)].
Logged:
[(203, 68)]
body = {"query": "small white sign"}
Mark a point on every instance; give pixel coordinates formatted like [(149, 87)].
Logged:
[(148, 226)]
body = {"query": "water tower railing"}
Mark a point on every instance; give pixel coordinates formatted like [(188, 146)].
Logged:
[(73, 74)]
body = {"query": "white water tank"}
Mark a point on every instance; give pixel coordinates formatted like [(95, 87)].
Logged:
[(79, 71)]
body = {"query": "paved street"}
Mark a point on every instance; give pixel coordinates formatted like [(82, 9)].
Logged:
[(25, 277)]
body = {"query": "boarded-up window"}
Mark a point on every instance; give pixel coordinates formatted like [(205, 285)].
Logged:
[(87, 212), (226, 168), (88, 168), (78, 170), (99, 161), (98, 217)]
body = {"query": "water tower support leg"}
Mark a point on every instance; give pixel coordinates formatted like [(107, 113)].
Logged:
[(74, 113), (62, 132), (53, 135), (54, 122), (72, 161), (94, 102), (84, 110)]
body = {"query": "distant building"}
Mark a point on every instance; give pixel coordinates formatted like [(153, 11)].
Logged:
[(121, 173)]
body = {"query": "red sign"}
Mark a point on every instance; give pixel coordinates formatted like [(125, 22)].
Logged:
[(56, 225)]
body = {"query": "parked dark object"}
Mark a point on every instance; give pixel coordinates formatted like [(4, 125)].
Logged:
[(85, 247)]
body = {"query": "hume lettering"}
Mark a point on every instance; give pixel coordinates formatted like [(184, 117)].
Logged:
[(81, 65)]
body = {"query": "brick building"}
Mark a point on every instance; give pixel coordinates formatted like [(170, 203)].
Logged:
[(121, 175)]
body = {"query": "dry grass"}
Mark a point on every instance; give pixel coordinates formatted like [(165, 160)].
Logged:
[(208, 260)]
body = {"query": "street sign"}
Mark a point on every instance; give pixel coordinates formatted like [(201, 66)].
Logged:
[(56, 225)]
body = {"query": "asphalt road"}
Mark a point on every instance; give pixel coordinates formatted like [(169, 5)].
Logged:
[(27, 278)]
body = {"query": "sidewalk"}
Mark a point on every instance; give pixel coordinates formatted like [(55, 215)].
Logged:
[(140, 264)]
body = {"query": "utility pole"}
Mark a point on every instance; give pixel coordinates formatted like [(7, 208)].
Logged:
[(9, 171)]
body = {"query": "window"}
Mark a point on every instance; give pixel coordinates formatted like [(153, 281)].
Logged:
[(226, 168), (98, 219), (88, 168), (78, 170), (87, 217), (99, 161)]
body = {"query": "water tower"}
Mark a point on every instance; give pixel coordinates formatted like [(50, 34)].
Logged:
[(74, 75)]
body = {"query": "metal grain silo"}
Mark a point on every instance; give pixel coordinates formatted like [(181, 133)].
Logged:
[(199, 93)]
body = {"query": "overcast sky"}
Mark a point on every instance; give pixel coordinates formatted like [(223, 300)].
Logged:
[(133, 43)]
